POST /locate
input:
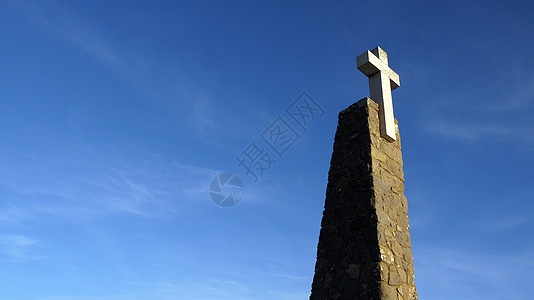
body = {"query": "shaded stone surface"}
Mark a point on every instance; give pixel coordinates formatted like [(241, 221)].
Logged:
[(364, 249)]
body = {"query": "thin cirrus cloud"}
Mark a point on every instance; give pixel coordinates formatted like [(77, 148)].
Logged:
[(170, 88), (519, 99), (470, 132), (85, 186), (467, 273), (60, 23), (77, 184), (471, 124), (16, 247)]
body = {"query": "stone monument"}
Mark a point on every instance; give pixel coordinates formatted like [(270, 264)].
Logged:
[(364, 249)]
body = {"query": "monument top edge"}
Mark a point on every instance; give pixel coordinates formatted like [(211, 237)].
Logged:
[(366, 101)]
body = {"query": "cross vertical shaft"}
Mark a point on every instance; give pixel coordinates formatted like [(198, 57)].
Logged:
[(380, 89), (382, 80)]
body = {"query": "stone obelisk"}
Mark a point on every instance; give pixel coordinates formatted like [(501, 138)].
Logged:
[(364, 249)]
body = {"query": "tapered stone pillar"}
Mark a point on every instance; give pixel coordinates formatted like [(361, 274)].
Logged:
[(364, 249)]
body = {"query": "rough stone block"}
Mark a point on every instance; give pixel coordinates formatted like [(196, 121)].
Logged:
[(364, 249)]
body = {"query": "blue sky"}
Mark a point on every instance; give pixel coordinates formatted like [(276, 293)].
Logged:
[(116, 116)]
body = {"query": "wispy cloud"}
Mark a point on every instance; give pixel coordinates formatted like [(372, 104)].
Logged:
[(59, 22), (16, 247), (11, 215), (473, 273), (520, 96), (96, 183), (466, 131), (472, 124), (201, 289), (512, 214), (172, 88)]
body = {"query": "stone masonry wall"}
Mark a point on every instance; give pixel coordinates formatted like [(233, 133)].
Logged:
[(364, 249)]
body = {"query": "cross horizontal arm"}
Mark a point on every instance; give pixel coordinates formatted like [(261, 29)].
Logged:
[(369, 64)]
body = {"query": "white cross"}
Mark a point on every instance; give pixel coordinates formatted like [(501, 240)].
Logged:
[(382, 80)]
